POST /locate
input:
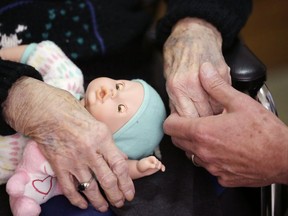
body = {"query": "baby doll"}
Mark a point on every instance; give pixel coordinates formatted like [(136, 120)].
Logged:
[(132, 109)]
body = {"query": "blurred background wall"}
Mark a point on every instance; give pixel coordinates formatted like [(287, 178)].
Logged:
[(266, 34)]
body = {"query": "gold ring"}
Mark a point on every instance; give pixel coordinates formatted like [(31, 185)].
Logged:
[(84, 185)]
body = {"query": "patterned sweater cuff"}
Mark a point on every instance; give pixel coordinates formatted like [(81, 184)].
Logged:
[(10, 72)]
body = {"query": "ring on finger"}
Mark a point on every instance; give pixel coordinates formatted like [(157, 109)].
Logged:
[(85, 185), (193, 161)]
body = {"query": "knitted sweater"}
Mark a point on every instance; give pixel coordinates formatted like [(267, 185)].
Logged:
[(99, 30)]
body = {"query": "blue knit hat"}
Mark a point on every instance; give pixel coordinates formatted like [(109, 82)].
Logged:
[(140, 136)]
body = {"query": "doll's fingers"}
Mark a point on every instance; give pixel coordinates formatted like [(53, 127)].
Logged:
[(158, 165)]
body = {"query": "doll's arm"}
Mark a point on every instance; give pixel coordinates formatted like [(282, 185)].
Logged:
[(56, 68), (51, 62), (144, 167), (12, 53)]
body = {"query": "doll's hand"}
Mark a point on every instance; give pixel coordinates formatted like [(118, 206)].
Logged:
[(150, 163), (12, 53)]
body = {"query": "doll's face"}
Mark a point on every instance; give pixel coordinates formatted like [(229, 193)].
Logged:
[(113, 102)]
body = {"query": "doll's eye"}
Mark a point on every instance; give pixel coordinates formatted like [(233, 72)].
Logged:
[(120, 86), (122, 108)]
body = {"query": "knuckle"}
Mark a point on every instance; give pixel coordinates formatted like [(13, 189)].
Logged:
[(170, 85), (68, 191), (225, 73), (200, 132), (224, 69), (213, 170), (216, 83), (223, 182), (108, 181), (119, 167), (204, 135), (170, 42)]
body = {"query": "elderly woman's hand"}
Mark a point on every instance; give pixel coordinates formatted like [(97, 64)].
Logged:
[(191, 43), (72, 140)]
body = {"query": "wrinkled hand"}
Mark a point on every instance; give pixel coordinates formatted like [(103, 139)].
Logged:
[(72, 140), (246, 145), (191, 43)]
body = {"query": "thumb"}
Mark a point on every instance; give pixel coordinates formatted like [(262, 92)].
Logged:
[(216, 86), (180, 127)]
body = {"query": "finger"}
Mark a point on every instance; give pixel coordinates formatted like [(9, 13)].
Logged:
[(196, 161), (189, 99), (181, 127), (216, 106), (217, 87), (172, 107), (224, 72), (231, 180), (158, 165), (203, 106), (92, 192), (65, 179), (179, 102), (107, 180), (185, 107), (119, 166), (95, 197), (199, 98), (182, 144), (69, 190)]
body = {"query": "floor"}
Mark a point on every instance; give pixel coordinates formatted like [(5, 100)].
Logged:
[(266, 33)]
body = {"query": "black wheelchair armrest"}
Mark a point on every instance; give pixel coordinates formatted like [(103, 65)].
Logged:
[(247, 71), (248, 75)]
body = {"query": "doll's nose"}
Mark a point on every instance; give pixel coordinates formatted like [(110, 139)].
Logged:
[(113, 93)]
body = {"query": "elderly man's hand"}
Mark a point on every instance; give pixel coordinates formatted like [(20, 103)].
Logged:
[(72, 140), (191, 43), (246, 145)]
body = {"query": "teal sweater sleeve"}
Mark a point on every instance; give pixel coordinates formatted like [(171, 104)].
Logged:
[(28, 51)]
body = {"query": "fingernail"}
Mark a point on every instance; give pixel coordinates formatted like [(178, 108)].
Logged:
[(83, 205), (119, 204), (103, 208), (129, 195)]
